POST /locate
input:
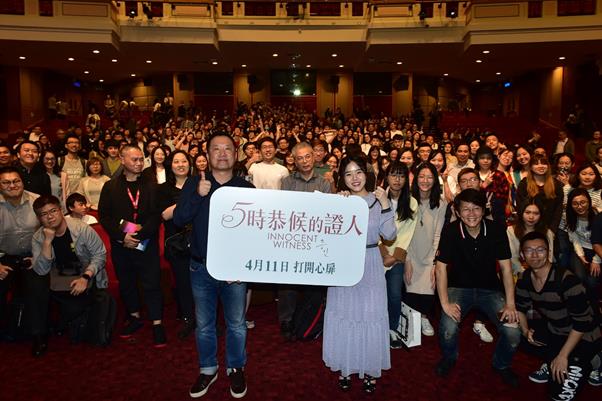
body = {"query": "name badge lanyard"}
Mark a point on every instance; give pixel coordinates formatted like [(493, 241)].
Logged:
[(134, 202)]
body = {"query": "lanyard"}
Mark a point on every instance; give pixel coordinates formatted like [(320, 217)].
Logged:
[(134, 202)]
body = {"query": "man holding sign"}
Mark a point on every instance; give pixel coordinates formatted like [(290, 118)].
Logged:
[(193, 207)]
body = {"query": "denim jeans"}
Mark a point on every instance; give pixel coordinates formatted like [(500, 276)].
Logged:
[(394, 278), (490, 302), (205, 291)]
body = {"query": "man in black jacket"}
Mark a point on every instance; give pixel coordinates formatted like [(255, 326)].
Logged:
[(34, 176), (128, 210)]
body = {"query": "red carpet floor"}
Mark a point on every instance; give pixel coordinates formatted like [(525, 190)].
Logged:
[(133, 370)]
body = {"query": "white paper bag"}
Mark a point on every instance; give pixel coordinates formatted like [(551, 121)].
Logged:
[(409, 326)]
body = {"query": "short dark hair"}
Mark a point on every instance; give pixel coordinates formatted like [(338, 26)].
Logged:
[(44, 200), (247, 144), (533, 235), (467, 170), (267, 139), (11, 169), (72, 135), (471, 195), (74, 197), (220, 134), (27, 141)]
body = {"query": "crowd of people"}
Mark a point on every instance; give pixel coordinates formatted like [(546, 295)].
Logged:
[(457, 221)]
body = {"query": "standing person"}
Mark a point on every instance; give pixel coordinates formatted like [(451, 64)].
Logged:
[(394, 252), (474, 247), (539, 184), (6, 156), (419, 271), (493, 182), (567, 337), (356, 324), (193, 207), (521, 165), (267, 174), (128, 211), (58, 179), (73, 165), (592, 145), (462, 161), (563, 144), (156, 171), (31, 171), (304, 179), (111, 166), (178, 171), (91, 185)]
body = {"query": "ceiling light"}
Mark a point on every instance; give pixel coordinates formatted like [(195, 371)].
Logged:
[(486, 52), (22, 57), (446, 74), (478, 61), (86, 72), (399, 62), (71, 59), (132, 75), (478, 80), (297, 92), (275, 55), (149, 61), (244, 66), (561, 58), (498, 73), (308, 66), (114, 60), (96, 51), (341, 66), (101, 80), (214, 62), (334, 54)]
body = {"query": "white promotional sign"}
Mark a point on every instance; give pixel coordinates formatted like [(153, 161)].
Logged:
[(268, 236)]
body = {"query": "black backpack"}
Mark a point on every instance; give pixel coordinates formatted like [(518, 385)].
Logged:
[(308, 321), (101, 318)]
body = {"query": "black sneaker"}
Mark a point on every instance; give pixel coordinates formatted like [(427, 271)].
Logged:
[(159, 338), (238, 385), (187, 328), (444, 367), (202, 384), (40, 346), (134, 324), (508, 377)]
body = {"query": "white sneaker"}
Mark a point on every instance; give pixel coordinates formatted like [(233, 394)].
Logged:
[(482, 332), (427, 329)]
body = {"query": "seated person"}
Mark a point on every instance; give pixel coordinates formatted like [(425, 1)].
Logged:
[(78, 209), (567, 337), (72, 257)]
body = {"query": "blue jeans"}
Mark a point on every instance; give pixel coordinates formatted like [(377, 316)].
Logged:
[(205, 291), (490, 302), (394, 278)]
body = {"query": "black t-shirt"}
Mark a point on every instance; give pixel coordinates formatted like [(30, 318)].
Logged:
[(65, 258), (472, 262)]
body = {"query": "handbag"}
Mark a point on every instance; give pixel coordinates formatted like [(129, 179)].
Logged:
[(409, 326), (178, 244)]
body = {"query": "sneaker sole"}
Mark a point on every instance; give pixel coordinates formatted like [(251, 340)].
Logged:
[(594, 384), (203, 392), (485, 340), (238, 395), (538, 381)]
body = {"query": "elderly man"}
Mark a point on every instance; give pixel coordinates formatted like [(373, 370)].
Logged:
[(70, 257), (18, 222), (305, 179)]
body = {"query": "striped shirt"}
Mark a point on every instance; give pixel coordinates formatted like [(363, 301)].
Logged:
[(562, 302)]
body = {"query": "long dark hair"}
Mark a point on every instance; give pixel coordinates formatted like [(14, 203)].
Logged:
[(571, 215), (435, 195), (360, 160), (597, 181), (404, 210), (519, 226), (170, 177), (56, 170)]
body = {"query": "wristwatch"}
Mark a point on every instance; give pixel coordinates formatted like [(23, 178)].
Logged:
[(87, 276)]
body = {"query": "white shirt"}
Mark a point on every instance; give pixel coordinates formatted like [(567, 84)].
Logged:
[(267, 176)]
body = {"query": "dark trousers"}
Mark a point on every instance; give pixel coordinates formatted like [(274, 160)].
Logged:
[(287, 302), (181, 271), (40, 295), (19, 282), (579, 365), (131, 266)]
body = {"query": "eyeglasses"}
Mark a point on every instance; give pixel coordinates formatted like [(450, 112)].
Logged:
[(43, 215), (535, 251), (7, 183), (582, 203), (469, 180)]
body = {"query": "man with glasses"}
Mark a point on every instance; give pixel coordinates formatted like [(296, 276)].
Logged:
[(463, 161), (473, 246), (69, 257), (18, 222), (305, 179), (72, 164), (567, 337), (35, 179)]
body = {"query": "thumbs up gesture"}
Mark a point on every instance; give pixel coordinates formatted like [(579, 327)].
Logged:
[(204, 185)]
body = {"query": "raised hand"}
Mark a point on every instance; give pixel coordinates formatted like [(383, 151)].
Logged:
[(204, 185)]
